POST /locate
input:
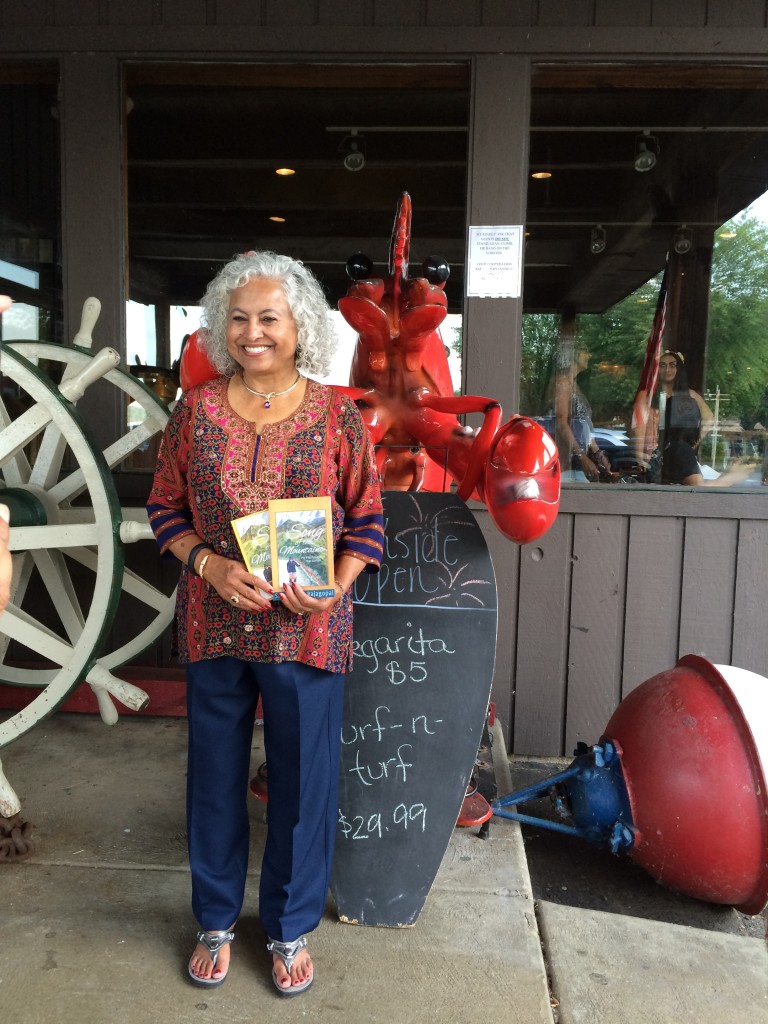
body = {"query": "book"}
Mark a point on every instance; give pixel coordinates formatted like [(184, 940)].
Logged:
[(292, 541), (255, 542), (302, 544)]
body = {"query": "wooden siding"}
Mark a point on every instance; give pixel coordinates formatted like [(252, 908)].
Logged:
[(384, 27), (382, 13), (609, 597)]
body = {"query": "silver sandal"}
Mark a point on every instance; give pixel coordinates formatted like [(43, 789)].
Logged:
[(288, 951), (213, 942)]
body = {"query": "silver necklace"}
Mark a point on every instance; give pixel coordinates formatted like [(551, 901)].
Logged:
[(269, 395)]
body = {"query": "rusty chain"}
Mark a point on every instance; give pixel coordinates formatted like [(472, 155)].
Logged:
[(15, 839)]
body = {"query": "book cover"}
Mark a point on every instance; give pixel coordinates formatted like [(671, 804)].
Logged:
[(253, 537), (302, 544)]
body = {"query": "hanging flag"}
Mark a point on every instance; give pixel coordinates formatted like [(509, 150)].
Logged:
[(650, 373)]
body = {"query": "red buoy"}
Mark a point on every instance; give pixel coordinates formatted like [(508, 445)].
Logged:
[(694, 756)]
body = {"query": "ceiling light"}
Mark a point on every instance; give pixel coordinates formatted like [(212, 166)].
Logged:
[(728, 233), (646, 152), (352, 148), (354, 160), (285, 171), (278, 220), (541, 175), (682, 242), (597, 240)]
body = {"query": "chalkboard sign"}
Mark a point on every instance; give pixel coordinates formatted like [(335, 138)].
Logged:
[(415, 706)]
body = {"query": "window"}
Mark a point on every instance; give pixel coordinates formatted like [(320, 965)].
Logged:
[(647, 209), (206, 145), (30, 270)]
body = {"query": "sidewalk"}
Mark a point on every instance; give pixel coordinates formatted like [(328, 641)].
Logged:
[(96, 927), (622, 948)]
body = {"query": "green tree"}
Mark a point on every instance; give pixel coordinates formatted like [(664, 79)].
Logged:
[(540, 343), (617, 340), (737, 342)]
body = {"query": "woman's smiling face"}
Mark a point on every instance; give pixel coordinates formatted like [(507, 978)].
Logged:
[(261, 332)]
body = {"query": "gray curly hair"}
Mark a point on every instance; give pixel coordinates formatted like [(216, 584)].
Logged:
[(310, 309)]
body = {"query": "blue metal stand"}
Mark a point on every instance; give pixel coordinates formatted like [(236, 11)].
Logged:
[(590, 793)]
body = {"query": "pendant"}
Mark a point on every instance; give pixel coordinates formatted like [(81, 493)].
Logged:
[(266, 404)]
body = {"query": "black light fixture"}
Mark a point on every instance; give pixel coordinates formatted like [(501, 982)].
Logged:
[(646, 151), (597, 240), (682, 240), (352, 149)]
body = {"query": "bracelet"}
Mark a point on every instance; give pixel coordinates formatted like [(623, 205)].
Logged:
[(341, 588), (201, 568), (194, 553)]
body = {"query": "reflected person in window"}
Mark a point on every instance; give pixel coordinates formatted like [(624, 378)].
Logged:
[(682, 437), (580, 455), (673, 384)]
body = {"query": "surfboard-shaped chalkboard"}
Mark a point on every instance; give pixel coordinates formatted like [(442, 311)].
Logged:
[(415, 706)]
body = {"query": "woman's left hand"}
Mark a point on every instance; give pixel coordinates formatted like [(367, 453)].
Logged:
[(297, 600), (588, 467)]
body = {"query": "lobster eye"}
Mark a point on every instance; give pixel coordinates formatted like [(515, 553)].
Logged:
[(436, 270), (359, 267)]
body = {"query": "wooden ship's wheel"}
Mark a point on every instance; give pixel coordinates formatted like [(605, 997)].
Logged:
[(68, 533)]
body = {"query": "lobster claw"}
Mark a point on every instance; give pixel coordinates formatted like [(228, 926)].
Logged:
[(521, 484), (194, 365)]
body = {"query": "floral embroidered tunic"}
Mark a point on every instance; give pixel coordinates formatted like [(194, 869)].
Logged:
[(213, 467)]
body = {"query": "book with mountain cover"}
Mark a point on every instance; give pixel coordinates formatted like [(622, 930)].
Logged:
[(291, 541), (302, 544)]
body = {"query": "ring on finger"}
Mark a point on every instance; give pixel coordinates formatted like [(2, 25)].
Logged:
[(235, 599)]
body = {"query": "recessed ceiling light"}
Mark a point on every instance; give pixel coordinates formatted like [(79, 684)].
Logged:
[(542, 174), (285, 171), (278, 220), (729, 233)]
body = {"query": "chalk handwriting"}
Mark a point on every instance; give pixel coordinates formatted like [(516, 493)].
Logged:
[(415, 643), (380, 724), (415, 545), (373, 826), (376, 771)]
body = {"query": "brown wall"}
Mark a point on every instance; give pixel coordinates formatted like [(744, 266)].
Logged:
[(563, 24)]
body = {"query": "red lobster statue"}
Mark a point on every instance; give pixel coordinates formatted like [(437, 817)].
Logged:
[(401, 380)]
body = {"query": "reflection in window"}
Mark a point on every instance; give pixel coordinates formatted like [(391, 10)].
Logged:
[(652, 179), (208, 148), (30, 269)]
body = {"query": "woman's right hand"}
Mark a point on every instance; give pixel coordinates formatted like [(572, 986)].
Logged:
[(236, 586)]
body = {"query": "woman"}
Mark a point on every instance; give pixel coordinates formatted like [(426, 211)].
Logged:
[(580, 455), (682, 438), (679, 463), (674, 395), (263, 430)]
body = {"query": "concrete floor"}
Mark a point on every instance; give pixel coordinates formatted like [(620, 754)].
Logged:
[(95, 927)]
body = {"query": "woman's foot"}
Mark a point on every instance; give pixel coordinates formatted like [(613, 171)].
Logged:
[(292, 968), (209, 962)]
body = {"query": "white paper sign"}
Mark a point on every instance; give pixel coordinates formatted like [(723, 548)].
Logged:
[(494, 262)]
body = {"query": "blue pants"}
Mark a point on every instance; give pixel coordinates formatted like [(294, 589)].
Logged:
[(302, 734)]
